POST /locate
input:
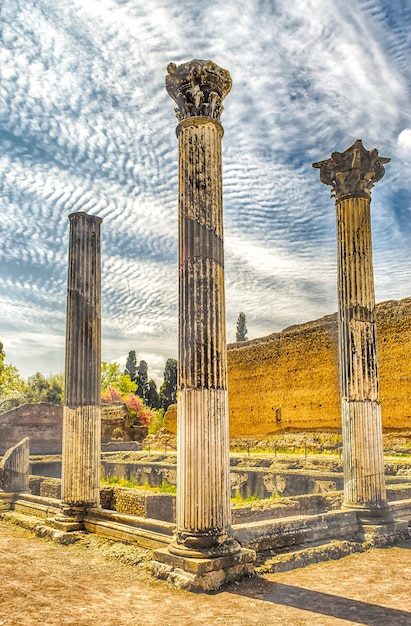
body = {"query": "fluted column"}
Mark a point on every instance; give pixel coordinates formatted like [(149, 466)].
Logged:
[(81, 411), (14, 468), (203, 485), (352, 174)]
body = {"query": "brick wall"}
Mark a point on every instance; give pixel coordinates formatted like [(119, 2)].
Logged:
[(42, 423)]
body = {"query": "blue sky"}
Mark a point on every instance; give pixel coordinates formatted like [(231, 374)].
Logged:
[(86, 125)]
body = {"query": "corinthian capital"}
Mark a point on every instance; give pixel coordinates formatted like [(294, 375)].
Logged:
[(353, 172), (198, 88)]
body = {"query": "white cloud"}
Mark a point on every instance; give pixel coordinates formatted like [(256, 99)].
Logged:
[(86, 125), (404, 139)]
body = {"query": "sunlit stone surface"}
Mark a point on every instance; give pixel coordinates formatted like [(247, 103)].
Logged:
[(203, 488), (351, 175), (81, 413)]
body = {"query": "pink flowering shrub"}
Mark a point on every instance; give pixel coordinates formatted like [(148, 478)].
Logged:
[(111, 394), (137, 409), (138, 412)]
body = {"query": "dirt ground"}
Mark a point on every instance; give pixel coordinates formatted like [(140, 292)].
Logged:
[(84, 584)]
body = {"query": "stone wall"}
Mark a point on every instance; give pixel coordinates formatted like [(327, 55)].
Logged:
[(290, 380), (394, 344), (112, 421), (42, 423), (45, 487), (286, 380), (134, 501)]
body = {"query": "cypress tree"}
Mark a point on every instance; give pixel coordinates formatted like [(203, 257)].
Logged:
[(241, 334)]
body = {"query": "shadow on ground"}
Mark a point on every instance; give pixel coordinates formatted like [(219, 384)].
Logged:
[(326, 604)]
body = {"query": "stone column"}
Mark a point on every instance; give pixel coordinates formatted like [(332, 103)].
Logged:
[(81, 411), (351, 175), (14, 473), (203, 480)]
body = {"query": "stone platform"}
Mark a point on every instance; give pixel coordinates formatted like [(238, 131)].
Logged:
[(199, 575)]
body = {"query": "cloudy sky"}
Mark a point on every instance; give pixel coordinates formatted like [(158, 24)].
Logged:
[(86, 125)]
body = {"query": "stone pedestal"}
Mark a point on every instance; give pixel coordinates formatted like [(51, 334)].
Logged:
[(200, 574), (81, 411), (203, 468), (352, 174)]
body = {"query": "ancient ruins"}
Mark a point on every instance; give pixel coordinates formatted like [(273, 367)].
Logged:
[(196, 543), (203, 476), (81, 412), (352, 174)]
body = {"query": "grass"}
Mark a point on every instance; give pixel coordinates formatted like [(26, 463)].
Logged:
[(169, 488), (134, 484), (239, 499)]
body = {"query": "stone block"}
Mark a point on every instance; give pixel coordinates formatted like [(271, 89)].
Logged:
[(201, 575)]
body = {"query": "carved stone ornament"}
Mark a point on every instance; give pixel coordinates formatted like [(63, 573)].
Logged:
[(353, 172), (198, 88)]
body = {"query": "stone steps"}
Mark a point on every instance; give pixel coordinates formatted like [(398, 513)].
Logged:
[(298, 530), (39, 527), (145, 532), (307, 555), (36, 506)]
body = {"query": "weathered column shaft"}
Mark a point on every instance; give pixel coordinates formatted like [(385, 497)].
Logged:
[(81, 412), (364, 480), (203, 485), (352, 174), (203, 473)]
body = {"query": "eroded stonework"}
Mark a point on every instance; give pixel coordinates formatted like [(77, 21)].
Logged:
[(352, 172), (203, 477), (198, 87)]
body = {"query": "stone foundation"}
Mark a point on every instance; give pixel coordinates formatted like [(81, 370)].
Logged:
[(201, 574)]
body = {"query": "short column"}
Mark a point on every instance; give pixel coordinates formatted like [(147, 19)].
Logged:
[(81, 411), (14, 473), (351, 175)]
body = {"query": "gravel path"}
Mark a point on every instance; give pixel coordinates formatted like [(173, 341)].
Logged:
[(86, 584)]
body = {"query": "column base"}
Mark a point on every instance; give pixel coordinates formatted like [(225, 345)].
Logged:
[(204, 547), (70, 518), (201, 574), (384, 534), (371, 515), (7, 500)]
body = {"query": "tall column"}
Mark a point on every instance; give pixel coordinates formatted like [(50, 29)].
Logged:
[(203, 485), (81, 411), (351, 175)]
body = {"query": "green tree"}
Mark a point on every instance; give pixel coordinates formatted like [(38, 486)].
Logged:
[(12, 386), (55, 392), (168, 390), (111, 376), (142, 380), (241, 334), (131, 365), (153, 399), (2, 356), (37, 388), (42, 389)]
